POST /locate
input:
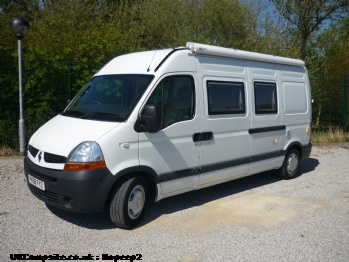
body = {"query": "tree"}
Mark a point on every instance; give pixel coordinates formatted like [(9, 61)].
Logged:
[(334, 47), (306, 17), (335, 44)]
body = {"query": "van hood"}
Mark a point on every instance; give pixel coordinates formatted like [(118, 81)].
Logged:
[(62, 134)]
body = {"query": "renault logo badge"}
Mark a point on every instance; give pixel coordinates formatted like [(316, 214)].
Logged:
[(39, 157)]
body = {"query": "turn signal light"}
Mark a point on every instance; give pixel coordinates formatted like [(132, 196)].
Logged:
[(84, 166)]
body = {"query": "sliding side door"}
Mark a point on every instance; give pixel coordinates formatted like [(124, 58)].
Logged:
[(224, 140)]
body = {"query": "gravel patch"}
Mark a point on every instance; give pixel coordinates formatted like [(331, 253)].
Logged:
[(258, 218)]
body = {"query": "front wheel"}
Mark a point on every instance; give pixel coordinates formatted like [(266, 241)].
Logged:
[(129, 202), (290, 166)]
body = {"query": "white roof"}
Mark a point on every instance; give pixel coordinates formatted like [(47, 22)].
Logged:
[(134, 63), (147, 62), (239, 54)]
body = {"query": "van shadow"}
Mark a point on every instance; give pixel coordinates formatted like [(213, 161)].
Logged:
[(100, 221), (308, 165)]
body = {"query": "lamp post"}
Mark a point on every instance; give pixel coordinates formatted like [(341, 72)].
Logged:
[(19, 26)]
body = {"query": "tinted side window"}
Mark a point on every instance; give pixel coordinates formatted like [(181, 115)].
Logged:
[(225, 97), (265, 98), (175, 98)]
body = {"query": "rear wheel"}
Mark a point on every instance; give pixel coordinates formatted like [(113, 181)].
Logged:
[(129, 202), (290, 166)]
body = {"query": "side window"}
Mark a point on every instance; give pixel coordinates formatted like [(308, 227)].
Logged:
[(265, 98), (175, 98), (225, 98)]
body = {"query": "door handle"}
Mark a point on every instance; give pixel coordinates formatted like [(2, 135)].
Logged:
[(197, 137), (205, 136)]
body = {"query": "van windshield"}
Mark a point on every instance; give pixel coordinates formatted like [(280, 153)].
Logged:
[(108, 97)]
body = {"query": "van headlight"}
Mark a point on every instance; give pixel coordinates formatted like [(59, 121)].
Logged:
[(86, 156)]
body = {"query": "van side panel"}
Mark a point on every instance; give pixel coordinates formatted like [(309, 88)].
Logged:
[(297, 107), (225, 156)]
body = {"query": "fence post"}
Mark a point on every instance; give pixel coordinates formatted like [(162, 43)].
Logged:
[(69, 87), (345, 103)]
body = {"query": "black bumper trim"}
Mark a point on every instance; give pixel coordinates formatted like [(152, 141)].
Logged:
[(306, 150), (75, 191)]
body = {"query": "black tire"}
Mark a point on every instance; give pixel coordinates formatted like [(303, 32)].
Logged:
[(129, 202), (291, 164)]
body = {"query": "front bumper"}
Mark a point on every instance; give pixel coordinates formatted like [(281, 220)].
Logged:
[(76, 191)]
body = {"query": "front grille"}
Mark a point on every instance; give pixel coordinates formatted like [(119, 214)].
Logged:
[(48, 157), (33, 151), (35, 173), (54, 159)]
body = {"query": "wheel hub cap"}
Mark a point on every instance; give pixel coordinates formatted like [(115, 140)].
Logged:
[(292, 164), (136, 202)]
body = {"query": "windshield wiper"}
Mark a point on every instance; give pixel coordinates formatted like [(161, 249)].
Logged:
[(73, 113), (100, 114)]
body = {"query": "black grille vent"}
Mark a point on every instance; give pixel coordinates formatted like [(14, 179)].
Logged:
[(55, 159), (33, 151), (33, 172)]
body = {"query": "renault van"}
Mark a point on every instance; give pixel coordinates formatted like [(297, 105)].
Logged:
[(154, 124)]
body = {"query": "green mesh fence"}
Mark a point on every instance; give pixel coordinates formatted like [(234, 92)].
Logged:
[(46, 89)]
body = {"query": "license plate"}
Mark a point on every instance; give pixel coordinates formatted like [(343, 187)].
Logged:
[(36, 182)]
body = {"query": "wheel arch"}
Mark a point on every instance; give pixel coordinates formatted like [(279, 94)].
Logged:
[(294, 144), (146, 172)]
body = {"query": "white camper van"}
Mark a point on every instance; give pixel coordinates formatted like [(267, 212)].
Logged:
[(154, 124)]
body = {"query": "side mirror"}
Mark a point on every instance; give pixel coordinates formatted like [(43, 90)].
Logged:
[(149, 121)]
